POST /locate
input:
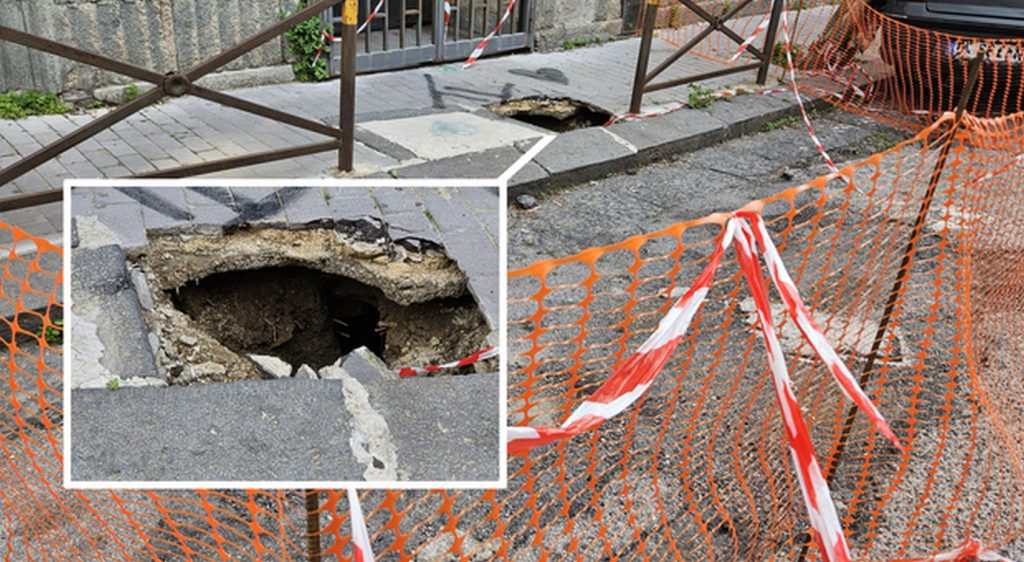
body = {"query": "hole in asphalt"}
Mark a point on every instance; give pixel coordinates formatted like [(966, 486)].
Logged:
[(296, 314), (555, 114), (306, 297)]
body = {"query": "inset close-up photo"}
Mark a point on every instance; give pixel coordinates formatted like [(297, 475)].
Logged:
[(296, 334)]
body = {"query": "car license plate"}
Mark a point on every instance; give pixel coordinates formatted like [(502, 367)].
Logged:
[(996, 51)]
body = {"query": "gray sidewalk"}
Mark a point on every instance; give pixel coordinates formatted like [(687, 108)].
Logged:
[(427, 121)]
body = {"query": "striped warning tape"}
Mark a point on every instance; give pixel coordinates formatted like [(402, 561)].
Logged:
[(825, 525), (361, 548), (631, 379), (969, 551), (479, 50), (325, 39), (791, 71), (810, 330), (750, 40), (481, 355), (370, 17)]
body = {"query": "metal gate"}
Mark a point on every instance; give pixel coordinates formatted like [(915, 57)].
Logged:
[(405, 33)]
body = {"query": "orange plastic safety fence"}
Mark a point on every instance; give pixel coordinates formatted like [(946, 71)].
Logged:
[(697, 470), (862, 60)]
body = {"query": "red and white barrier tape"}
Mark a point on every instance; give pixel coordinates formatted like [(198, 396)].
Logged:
[(969, 551), (629, 381), (468, 360), (361, 548), (809, 329), (370, 17), (825, 525), (479, 50), (750, 40), (325, 38), (791, 70), (633, 377)]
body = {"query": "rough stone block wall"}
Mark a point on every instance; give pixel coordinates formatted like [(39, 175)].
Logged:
[(162, 35), (571, 19)]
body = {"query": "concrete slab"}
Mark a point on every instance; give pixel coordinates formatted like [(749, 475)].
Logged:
[(104, 296), (445, 428), (448, 134), (289, 429), (583, 148)]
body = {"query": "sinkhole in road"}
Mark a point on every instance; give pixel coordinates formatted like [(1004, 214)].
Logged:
[(555, 114), (306, 297)]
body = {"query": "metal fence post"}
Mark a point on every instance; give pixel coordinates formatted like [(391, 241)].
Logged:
[(769, 42), (640, 78), (347, 114), (313, 525)]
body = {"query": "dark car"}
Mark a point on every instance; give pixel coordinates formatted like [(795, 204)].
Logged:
[(980, 18), (935, 65)]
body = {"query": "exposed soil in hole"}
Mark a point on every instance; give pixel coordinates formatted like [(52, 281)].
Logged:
[(554, 114), (306, 316), (304, 296)]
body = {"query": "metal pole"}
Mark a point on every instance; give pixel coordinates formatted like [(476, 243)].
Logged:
[(347, 117), (640, 78), (769, 42), (313, 525), (904, 270)]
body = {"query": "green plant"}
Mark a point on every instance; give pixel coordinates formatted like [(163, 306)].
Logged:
[(700, 97), (305, 42), (55, 333), (779, 53), (576, 42), (15, 105), (675, 16), (129, 92), (114, 384), (779, 123)]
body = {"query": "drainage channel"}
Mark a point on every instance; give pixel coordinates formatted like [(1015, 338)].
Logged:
[(272, 303)]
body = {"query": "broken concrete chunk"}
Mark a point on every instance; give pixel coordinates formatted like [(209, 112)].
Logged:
[(366, 367), (273, 366), (305, 372), (192, 373), (332, 372), (188, 340)]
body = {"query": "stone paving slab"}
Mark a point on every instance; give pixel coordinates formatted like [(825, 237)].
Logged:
[(289, 429), (113, 331), (442, 135), (444, 427)]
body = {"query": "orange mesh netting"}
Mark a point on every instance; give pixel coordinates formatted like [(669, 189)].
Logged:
[(862, 60), (697, 469)]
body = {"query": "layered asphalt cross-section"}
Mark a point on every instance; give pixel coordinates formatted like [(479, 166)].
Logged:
[(355, 420)]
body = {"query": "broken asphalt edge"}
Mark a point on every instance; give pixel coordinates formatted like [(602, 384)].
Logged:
[(584, 155)]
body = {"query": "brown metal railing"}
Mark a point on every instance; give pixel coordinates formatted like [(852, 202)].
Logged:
[(643, 80), (176, 84)]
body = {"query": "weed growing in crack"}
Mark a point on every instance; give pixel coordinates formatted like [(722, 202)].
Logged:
[(700, 97)]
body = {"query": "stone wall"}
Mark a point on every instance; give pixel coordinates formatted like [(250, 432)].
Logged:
[(558, 20), (161, 35), (166, 35)]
